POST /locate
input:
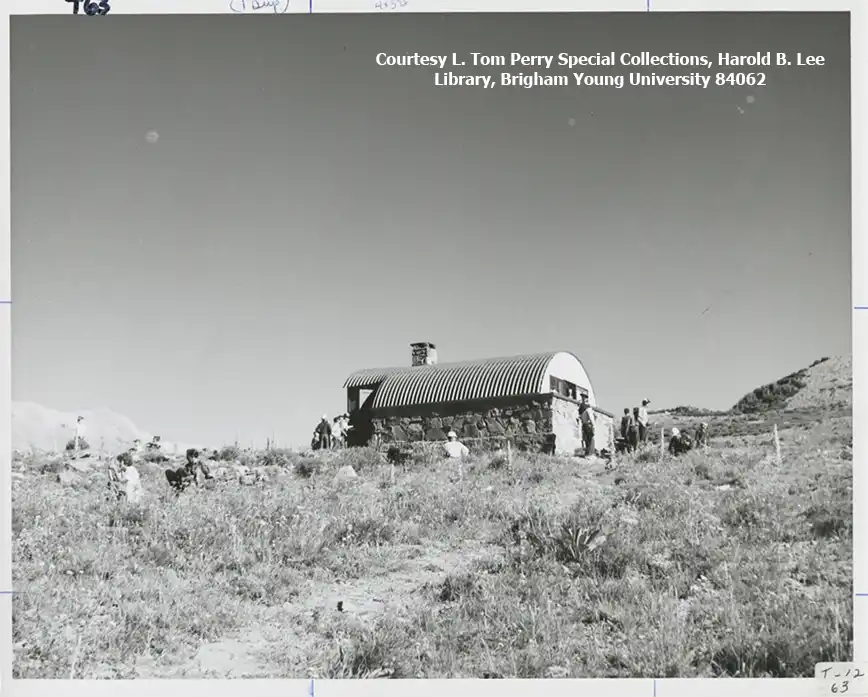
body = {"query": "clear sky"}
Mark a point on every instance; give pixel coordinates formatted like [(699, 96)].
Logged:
[(305, 213)]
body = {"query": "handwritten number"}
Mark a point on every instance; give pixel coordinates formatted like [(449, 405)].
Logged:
[(386, 5), (91, 7), (845, 686)]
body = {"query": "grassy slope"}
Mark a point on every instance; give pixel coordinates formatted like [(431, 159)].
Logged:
[(712, 564)]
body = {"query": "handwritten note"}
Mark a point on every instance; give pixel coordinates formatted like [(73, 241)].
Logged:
[(244, 6), (390, 5), (850, 679)]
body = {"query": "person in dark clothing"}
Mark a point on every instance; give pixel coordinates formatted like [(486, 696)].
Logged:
[(182, 478), (702, 435), (625, 423), (679, 443), (586, 418), (323, 433), (116, 471), (633, 433), (628, 425)]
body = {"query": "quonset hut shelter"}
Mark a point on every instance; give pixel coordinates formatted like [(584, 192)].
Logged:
[(531, 400)]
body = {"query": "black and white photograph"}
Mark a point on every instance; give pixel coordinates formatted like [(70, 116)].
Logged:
[(431, 346)]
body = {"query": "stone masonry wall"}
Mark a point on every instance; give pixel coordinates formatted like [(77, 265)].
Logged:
[(524, 422), (543, 423)]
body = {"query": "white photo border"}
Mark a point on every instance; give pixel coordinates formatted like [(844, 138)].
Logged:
[(424, 688)]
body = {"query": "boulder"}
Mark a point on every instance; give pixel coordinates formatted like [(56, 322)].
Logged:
[(346, 474), (133, 486), (67, 478), (79, 466)]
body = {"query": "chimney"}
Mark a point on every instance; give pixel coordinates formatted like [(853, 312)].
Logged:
[(424, 353)]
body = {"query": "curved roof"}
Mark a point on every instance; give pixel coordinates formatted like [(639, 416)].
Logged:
[(454, 382), (370, 377)]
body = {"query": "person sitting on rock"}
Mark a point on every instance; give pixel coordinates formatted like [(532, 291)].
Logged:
[(679, 443), (183, 477), (454, 448), (116, 475)]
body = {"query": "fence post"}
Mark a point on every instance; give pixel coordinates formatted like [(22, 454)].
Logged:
[(508, 453), (777, 446), (662, 441)]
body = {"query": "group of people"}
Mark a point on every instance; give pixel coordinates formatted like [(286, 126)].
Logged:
[(193, 471), (124, 480), (330, 435), (634, 426), (680, 443)]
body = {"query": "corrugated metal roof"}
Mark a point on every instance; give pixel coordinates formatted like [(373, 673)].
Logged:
[(453, 382), (370, 376)]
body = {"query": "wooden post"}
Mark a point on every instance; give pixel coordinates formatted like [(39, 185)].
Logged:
[(662, 441), (777, 446), (508, 453)]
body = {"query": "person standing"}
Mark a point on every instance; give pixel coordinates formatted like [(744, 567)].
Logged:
[(340, 431), (78, 439), (626, 423), (633, 433), (588, 429), (702, 435), (643, 421), (454, 448), (323, 433)]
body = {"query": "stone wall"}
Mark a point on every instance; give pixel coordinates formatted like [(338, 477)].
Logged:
[(542, 423)]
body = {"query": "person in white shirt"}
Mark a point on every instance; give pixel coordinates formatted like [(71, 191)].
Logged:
[(454, 448), (133, 485), (339, 431), (643, 420)]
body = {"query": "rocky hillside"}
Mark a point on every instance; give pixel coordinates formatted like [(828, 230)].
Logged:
[(822, 391), (827, 384)]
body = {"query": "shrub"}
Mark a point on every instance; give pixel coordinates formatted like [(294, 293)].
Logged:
[(229, 453), (307, 467)]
